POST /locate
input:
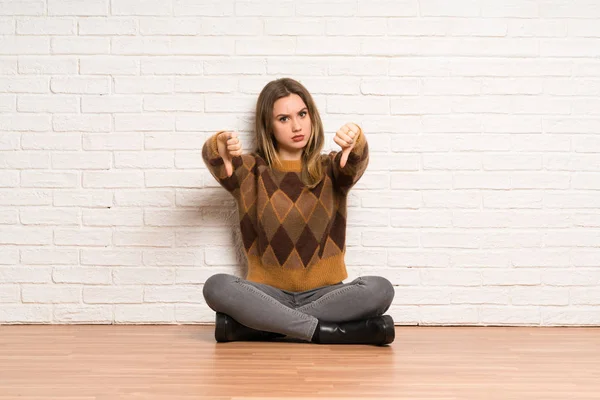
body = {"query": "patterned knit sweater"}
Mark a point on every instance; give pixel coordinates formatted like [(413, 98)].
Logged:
[(294, 237)]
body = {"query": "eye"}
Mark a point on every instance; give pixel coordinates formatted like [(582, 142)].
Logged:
[(282, 119), (303, 113)]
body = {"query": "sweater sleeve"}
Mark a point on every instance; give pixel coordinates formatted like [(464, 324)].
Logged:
[(242, 166), (358, 160)]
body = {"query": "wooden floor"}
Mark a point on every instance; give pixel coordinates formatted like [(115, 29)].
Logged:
[(84, 362)]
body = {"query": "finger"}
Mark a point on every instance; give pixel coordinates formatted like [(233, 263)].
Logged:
[(344, 158), (343, 144), (345, 137), (234, 147), (353, 127), (228, 167), (347, 128), (236, 153)]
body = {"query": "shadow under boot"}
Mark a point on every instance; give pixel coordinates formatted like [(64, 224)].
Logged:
[(376, 330), (228, 329)]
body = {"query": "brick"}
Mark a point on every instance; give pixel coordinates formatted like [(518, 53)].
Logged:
[(387, 238), (77, 313), (143, 7), (105, 26), (80, 85), (561, 316), (381, 8), (50, 216), (172, 66), (329, 45), (78, 7), (81, 123), (513, 8), (122, 294), (47, 104), (139, 85), (248, 8), (144, 313), (293, 27), (265, 45), (49, 179), (111, 104), (11, 45), (134, 122), (26, 313), (510, 315), (83, 275), (131, 238), (111, 65), (112, 217), (173, 103), (173, 294), (24, 84), (83, 198), (33, 7), (216, 8), (46, 26), (144, 275), (9, 294), (452, 315), (479, 295), (111, 257), (54, 293), (113, 141), (170, 26), (74, 45), (113, 179)]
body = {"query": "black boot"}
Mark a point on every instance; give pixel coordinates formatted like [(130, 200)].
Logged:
[(376, 330), (228, 329)]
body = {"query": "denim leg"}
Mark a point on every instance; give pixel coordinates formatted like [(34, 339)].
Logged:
[(364, 297), (252, 307)]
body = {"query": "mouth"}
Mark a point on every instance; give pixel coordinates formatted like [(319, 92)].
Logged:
[(298, 138)]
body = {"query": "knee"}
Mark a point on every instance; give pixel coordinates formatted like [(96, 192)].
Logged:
[(215, 288), (381, 289)]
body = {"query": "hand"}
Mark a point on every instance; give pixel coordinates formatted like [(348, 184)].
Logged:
[(229, 146), (345, 137)]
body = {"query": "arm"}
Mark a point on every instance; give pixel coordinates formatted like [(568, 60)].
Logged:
[(241, 165), (358, 160)]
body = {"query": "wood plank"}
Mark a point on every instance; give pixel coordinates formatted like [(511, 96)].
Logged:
[(102, 362)]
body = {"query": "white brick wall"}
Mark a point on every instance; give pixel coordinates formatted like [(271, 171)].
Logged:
[(481, 203)]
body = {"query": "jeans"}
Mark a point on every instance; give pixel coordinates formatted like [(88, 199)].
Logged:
[(296, 314)]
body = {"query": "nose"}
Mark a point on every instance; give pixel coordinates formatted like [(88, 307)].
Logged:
[(296, 125)]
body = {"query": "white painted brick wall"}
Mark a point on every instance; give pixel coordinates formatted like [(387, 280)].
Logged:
[(481, 202)]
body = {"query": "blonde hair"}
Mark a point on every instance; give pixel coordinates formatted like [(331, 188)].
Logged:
[(312, 169)]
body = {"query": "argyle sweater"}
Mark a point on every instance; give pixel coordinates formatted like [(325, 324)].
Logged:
[(294, 237)]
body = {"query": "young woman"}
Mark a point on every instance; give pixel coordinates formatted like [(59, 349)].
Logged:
[(292, 209)]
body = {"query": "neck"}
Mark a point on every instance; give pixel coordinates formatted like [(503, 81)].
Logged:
[(289, 155)]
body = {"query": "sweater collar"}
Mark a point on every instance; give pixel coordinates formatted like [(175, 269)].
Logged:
[(288, 165)]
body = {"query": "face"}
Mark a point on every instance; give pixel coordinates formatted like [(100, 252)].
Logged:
[(291, 124)]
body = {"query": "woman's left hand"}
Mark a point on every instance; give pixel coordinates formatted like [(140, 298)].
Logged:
[(346, 137)]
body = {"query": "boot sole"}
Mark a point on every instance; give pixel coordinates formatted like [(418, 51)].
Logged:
[(221, 327), (390, 330)]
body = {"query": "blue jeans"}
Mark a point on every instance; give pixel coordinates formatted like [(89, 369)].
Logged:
[(296, 314)]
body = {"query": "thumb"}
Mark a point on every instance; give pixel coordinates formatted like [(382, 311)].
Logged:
[(228, 165), (228, 157), (344, 158)]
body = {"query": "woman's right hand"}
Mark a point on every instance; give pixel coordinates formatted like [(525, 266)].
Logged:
[(229, 146)]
